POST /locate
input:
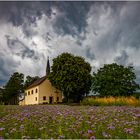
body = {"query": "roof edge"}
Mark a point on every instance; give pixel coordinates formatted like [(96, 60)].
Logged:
[(37, 82)]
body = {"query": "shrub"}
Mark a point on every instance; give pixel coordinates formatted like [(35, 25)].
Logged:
[(111, 101)]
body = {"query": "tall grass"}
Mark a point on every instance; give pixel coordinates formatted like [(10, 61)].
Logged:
[(111, 101)]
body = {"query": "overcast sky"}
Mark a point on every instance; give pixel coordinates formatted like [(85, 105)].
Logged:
[(101, 32)]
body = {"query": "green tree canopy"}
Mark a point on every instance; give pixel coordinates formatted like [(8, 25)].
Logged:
[(29, 80), (71, 75), (13, 88), (1, 95), (114, 80)]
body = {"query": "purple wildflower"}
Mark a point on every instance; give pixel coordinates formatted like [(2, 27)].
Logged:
[(21, 126), (90, 131), (106, 135), (1, 129), (128, 130), (111, 127), (137, 115), (1, 138), (61, 137), (92, 137)]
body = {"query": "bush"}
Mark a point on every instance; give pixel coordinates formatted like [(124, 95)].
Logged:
[(137, 95), (111, 101)]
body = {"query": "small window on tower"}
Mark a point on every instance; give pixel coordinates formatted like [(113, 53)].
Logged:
[(36, 98), (32, 91), (28, 92), (44, 98), (36, 90)]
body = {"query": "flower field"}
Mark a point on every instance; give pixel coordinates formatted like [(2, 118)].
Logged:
[(74, 122)]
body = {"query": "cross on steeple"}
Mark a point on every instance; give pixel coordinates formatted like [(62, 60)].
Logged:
[(48, 67)]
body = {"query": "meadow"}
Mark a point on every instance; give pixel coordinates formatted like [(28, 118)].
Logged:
[(73, 122)]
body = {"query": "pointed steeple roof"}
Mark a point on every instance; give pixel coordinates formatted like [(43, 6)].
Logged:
[(48, 67)]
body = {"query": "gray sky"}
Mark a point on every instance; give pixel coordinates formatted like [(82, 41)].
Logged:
[(101, 32)]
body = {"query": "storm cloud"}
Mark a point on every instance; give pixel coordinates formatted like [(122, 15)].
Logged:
[(101, 32)]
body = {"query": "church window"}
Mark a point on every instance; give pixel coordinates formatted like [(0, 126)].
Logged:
[(36, 90), (44, 97)]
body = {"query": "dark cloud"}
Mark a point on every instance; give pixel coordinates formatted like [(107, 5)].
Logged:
[(16, 12), (129, 24), (3, 71), (123, 59), (137, 72), (28, 31), (90, 54), (131, 37), (123, 27), (75, 13), (19, 48), (47, 37), (98, 31), (7, 67)]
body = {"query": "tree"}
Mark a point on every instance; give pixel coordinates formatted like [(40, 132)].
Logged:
[(71, 75), (1, 95), (29, 80), (114, 80), (13, 88)]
